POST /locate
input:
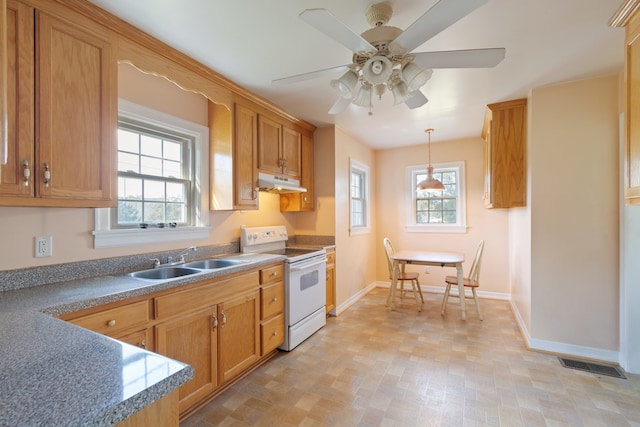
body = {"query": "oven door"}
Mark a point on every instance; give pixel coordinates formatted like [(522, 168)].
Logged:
[(305, 289)]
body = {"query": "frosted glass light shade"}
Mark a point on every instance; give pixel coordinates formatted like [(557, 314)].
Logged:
[(345, 84), (363, 99), (415, 76), (400, 93)]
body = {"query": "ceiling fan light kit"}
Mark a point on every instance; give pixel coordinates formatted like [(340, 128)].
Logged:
[(382, 56)]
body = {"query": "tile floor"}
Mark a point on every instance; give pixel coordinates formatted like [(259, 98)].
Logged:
[(374, 367)]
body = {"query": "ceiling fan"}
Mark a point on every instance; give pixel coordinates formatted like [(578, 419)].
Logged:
[(382, 56)]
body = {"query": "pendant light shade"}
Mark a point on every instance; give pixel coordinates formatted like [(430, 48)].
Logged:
[(429, 183)]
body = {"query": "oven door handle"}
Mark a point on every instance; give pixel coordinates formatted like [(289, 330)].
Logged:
[(304, 266)]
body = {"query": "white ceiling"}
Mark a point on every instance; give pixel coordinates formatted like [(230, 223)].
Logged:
[(253, 42)]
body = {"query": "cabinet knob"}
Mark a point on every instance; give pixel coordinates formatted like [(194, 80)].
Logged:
[(224, 318), (26, 173), (275, 273), (275, 333), (274, 299), (111, 322), (143, 344)]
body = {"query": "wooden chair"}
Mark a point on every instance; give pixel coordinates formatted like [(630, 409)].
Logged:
[(473, 281), (402, 277)]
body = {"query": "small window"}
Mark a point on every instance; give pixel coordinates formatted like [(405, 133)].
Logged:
[(155, 175), (437, 211), (359, 196)]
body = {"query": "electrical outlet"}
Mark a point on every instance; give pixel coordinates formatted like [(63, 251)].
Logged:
[(426, 269), (43, 246)]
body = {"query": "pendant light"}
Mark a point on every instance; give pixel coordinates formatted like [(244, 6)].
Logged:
[(429, 183)]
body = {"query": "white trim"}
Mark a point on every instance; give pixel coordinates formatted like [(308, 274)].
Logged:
[(560, 348), (132, 236), (341, 308), (365, 170), (105, 237), (410, 215)]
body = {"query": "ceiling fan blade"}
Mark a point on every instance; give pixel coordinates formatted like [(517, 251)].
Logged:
[(340, 105), (308, 76), (327, 23), (472, 58), (417, 100), (440, 16)]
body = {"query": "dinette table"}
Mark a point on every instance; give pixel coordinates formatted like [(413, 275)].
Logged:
[(434, 258)]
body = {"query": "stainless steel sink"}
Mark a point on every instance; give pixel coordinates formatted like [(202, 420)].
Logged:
[(163, 273), (211, 264)]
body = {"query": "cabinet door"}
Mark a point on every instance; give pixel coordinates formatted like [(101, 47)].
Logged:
[(76, 96), (331, 280), (632, 143), (239, 336), (20, 101), (269, 138), (290, 152), (244, 158), (192, 339)]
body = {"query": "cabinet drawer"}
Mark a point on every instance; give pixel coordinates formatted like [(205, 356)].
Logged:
[(272, 333), (184, 301), (272, 274), (115, 320), (272, 300)]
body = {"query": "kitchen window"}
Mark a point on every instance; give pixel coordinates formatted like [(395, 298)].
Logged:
[(155, 177), (359, 198), (162, 180), (437, 211)]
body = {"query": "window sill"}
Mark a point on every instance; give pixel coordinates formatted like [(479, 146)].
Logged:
[(359, 230), (135, 236), (453, 228)]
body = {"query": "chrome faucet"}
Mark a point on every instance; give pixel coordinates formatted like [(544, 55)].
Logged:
[(182, 256)]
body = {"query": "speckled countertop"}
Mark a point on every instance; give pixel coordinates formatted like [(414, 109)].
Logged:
[(56, 373)]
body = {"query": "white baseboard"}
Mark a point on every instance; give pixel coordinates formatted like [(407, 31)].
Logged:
[(560, 348), (340, 308)]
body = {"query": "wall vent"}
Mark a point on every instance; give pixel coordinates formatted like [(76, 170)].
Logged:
[(594, 368)]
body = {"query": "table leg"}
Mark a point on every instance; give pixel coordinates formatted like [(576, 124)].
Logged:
[(391, 299), (461, 290)]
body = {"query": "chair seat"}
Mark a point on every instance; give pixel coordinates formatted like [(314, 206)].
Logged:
[(453, 280), (408, 276)]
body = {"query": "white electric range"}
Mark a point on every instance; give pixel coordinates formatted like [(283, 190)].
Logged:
[(305, 272)]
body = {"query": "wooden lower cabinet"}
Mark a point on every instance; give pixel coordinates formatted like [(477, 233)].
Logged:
[(331, 280), (222, 327), (238, 335), (192, 339)]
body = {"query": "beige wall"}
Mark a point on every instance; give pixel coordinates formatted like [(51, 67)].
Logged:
[(488, 224), (574, 197), (356, 255)]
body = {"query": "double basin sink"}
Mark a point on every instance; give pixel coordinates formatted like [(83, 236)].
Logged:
[(187, 269)]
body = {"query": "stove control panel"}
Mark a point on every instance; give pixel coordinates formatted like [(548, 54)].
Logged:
[(254, 236)]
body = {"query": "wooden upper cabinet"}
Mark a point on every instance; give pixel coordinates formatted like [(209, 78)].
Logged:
[(72, 83), (629, 17), (291, 152), (505, 166), (244, 158), (302, 202), (278, 148)]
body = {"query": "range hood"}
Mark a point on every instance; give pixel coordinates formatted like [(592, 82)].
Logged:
[(279, 184)]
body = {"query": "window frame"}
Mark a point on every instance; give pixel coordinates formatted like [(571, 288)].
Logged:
[(188, 154), (411, 225), (364, 171), (106, 234)]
